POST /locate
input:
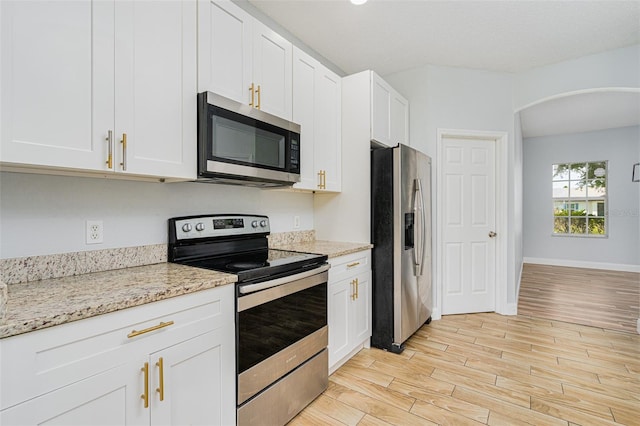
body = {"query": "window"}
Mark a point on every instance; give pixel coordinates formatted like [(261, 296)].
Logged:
[(580, 198)]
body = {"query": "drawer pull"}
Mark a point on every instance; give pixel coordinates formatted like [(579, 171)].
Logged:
[(135, 333), (351, 265)]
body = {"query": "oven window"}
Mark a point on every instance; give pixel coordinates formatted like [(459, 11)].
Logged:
[(246, 144), (268, 328)]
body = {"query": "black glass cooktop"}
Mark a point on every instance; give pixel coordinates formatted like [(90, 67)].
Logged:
[(260, 265)]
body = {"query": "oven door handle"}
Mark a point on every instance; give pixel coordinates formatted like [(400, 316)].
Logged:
[(250, 288)]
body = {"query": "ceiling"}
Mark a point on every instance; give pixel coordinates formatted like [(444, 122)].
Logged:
[(509, 36)]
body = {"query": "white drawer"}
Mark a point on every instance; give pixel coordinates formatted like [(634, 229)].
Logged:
[(349, 265), (44, 360)]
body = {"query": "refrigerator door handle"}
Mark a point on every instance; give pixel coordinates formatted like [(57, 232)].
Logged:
[(418, 251)]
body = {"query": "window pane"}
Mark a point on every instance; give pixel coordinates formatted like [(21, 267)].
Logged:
[(597, 188), (561, 172), (597, 170), (578, 225), (561, 225), (560, 189), (578, 171), (560, 208), (577, 189), (578, 209), (596, 225)]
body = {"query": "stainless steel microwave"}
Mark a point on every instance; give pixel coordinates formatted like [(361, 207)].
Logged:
[(238, 144)]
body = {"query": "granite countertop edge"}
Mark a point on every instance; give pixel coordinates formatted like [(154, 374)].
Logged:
[(331, 249), (30, 306)]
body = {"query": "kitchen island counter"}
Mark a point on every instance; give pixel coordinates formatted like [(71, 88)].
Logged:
[(40, 304)]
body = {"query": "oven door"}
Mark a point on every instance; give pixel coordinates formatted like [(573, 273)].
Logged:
[(280, 324)]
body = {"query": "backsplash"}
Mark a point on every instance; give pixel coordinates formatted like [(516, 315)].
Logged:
[(35, 268), (293, 237)]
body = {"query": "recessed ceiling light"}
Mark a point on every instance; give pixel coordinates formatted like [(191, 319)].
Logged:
[(358, 2)]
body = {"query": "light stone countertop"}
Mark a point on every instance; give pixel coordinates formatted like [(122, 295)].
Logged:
[(330, 248), (40, 304)]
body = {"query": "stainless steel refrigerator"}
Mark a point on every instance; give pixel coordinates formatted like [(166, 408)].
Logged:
[(401, 234)]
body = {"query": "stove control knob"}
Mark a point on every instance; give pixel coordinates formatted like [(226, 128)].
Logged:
[(254, 224), (200, 226), (186, 227), (263, 223)]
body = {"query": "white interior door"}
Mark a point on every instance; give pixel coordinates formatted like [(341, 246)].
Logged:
[(469, 221)]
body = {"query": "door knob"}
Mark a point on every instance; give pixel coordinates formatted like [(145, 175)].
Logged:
[(492, 234)]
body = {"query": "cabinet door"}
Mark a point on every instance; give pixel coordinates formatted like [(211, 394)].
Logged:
[(339, 319), (224, 49), (304, 105), (362, 309), (381, 98), (57, 83), (399, 119), (109, 398), (196, 379), (272, 64), (156, 88), (328, 130)]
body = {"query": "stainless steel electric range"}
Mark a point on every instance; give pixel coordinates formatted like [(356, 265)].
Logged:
[(281, 311)]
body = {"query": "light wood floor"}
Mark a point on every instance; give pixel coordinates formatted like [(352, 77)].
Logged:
[(489, 369), (606, 299)]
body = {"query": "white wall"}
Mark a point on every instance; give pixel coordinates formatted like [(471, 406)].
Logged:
[(42, 214), (464, 99), (615, 68), (621, 147)]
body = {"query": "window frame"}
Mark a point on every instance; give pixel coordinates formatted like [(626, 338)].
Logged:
[(569, 201)]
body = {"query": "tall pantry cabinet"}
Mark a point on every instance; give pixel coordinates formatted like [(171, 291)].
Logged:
[(99, 86), (373, 113)]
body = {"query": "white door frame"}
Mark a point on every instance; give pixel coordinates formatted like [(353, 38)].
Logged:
[(501, 163)]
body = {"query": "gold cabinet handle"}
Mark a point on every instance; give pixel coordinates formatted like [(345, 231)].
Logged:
[(258, 91), (253, 93), (351, 265), (322, 177), (357, 289), (353, 290), (110, 147), (135, 333), (124, 151), (145, 395), (160, 389)]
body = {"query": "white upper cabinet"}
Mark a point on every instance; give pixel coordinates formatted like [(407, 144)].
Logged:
[(317, 108), (78, 76), (242, 59), (57, 83), (155, 75), (389, 113)]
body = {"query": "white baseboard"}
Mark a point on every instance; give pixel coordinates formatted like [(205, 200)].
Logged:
[(509, 309), (583, 264), (436, 314)]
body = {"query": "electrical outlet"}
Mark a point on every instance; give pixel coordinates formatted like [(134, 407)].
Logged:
[(95, 234), (296, 222)]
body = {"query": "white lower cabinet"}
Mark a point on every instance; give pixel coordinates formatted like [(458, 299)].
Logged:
[(169, 362), (349, 306)]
